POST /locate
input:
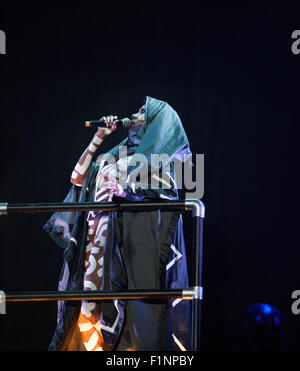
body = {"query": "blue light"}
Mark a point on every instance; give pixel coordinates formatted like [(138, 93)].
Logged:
[(266, 308)]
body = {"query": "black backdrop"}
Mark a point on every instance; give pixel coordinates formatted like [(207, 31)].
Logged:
[(231, 75)]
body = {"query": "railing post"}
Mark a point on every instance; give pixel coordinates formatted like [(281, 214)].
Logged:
[(196, 281)]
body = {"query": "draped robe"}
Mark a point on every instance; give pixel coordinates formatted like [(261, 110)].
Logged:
[(142, 250)]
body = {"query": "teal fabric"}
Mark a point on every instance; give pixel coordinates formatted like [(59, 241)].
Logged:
[(163, 133)]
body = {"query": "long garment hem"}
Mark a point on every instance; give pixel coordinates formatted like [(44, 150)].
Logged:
[(143, 250)]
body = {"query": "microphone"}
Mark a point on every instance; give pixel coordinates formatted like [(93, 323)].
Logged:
[(126, 122)]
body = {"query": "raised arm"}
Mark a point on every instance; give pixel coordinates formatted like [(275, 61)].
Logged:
[(80, 171)]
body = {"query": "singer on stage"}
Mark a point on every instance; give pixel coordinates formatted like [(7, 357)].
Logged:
[(124, 250)]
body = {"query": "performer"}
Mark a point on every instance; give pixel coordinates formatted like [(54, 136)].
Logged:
[(124, 250)]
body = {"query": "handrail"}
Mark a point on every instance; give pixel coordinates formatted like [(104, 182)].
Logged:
[(194, 293), (189, 204), (185, 294)]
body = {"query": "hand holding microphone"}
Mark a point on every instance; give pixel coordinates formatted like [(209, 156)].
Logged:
[(106, 125), (106, 119)]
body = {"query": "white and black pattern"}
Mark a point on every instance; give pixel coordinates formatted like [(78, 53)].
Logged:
[(89, 318)]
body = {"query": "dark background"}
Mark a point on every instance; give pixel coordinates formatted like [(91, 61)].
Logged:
[(229, 72)]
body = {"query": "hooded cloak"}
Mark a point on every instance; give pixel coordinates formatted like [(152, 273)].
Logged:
[(143, 250), (162, 134)]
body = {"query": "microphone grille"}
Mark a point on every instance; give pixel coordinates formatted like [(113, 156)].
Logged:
[(126, 122)]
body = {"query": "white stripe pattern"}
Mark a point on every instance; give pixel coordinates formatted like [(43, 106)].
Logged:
[(73, 240), (176, 301), (180, 346), (112, 328), (92, 266), (92, 147), (97, 140), (92, 342), (81, 169), (85, 326), (177, 257)]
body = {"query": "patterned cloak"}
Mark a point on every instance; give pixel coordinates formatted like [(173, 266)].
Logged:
[(143, 250)]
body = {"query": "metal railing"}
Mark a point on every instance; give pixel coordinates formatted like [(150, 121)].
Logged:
[(193, 293)]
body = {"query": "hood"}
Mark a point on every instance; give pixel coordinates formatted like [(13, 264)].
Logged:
[(162, 133)]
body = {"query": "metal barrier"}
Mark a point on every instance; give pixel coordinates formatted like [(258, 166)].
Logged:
[(194, 293)]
